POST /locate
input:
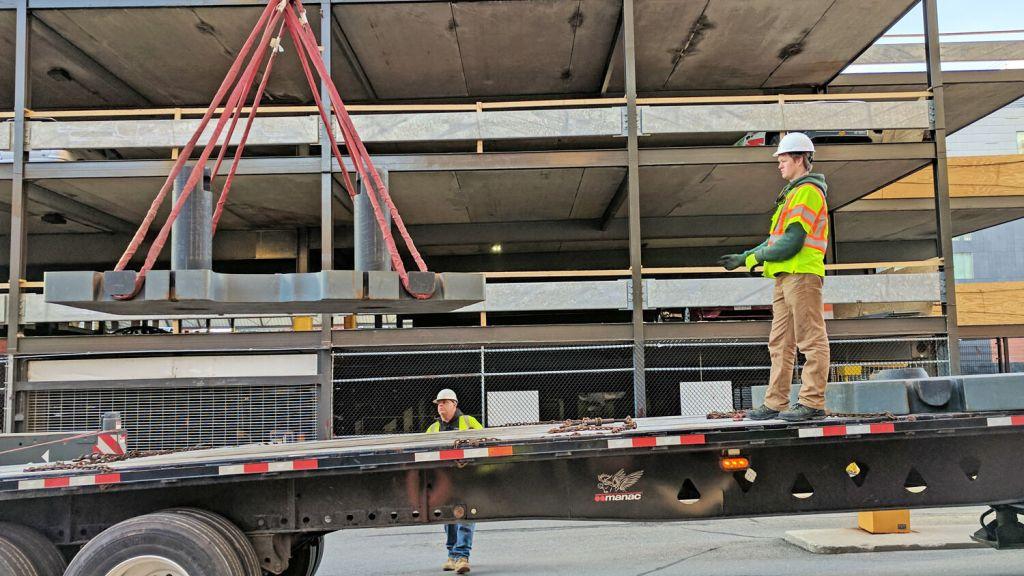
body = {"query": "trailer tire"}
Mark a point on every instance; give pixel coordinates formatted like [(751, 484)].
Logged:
[(306, 558), (12, 559), (163, 542), (232, 533), (40, 553)]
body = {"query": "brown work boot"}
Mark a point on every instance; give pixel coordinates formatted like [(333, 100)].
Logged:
[(462, 565), (449, 565)]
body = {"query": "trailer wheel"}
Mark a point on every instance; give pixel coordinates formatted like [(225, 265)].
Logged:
[(42, 556), (13, 559), (164, 543), (231, 533), (306, 558)]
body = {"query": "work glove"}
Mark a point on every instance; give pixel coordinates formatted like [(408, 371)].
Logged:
[(731, 261), (752, 261)]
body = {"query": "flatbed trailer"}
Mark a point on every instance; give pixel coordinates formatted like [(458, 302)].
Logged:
[(279, 500)]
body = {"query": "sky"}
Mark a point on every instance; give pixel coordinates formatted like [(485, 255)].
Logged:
[(958, 16), (968, 16)]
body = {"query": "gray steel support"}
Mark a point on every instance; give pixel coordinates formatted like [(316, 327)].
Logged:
[(633, 178), (1004, 355), (368, 241), (609, 67), (302, 250), (616, 202), (940, 171), (191, 235), (325, 362), (18, 232)]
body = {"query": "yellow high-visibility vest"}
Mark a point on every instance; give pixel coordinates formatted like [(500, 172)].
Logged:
[(804, 205), (465, 423)]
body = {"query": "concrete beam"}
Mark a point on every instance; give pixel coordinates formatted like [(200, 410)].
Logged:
[(696, 293), (712, 155), (921, 204), (497, 124), (594, 295), (992, 51), (823, 115)]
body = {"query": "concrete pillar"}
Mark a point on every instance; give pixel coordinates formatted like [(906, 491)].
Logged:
[(370, 251), (191, 238)]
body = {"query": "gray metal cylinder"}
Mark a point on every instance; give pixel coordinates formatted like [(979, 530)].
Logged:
[(191, 238), (371, 253), (110, 421)]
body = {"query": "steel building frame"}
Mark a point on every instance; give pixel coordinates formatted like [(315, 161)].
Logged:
[(632, 158)]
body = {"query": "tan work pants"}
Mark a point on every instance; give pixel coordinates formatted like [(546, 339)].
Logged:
[(798, 322)]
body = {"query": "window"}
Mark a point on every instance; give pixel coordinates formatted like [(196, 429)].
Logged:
[(1020, 142), (963, 265)]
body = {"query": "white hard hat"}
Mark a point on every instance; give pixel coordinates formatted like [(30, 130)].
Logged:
[(446, 394), (794, 142)]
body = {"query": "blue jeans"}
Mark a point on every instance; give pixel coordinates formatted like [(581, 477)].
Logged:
[(460, 539)]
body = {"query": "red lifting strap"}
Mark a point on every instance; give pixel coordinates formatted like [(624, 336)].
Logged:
[(281, 15)]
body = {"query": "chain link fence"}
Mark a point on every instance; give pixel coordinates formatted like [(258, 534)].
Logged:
[(181, 418), (389, 390), (992, 355)]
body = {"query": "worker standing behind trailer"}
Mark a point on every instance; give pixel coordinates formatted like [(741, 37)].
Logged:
[(459, 536), (794, 256)]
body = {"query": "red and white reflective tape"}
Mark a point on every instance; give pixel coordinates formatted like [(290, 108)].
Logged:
[(464, 454), (1006, 421), (651, 441), (260, 467), (69, 481), (111, 443), (848, 430)]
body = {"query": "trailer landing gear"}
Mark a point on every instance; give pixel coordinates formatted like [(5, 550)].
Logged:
[(1005, 532)]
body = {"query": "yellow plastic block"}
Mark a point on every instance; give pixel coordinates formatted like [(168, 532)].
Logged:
[(850, 370), (302, 323), (884, 521)]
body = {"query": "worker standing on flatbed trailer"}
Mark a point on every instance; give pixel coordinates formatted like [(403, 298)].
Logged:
[(794, 255), (459, 536)]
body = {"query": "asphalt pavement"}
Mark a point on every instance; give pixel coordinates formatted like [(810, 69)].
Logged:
[(735, 547)]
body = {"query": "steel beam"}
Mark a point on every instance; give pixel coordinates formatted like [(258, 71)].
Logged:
[(940, 173), (325, 361), (534, 334), (616, 202), (18, 232), (165, 343), (635, 234), (616, 46), (75, 210), (991, 331)]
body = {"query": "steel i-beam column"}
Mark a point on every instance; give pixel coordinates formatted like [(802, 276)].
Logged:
[(368, 241), (18, 234), (325, 363), (191, 236), (943, 216), (633, 175)]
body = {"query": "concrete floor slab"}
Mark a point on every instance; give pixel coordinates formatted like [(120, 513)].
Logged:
[(850, 540)]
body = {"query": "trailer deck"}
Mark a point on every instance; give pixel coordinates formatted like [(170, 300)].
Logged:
[(493, 445)]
